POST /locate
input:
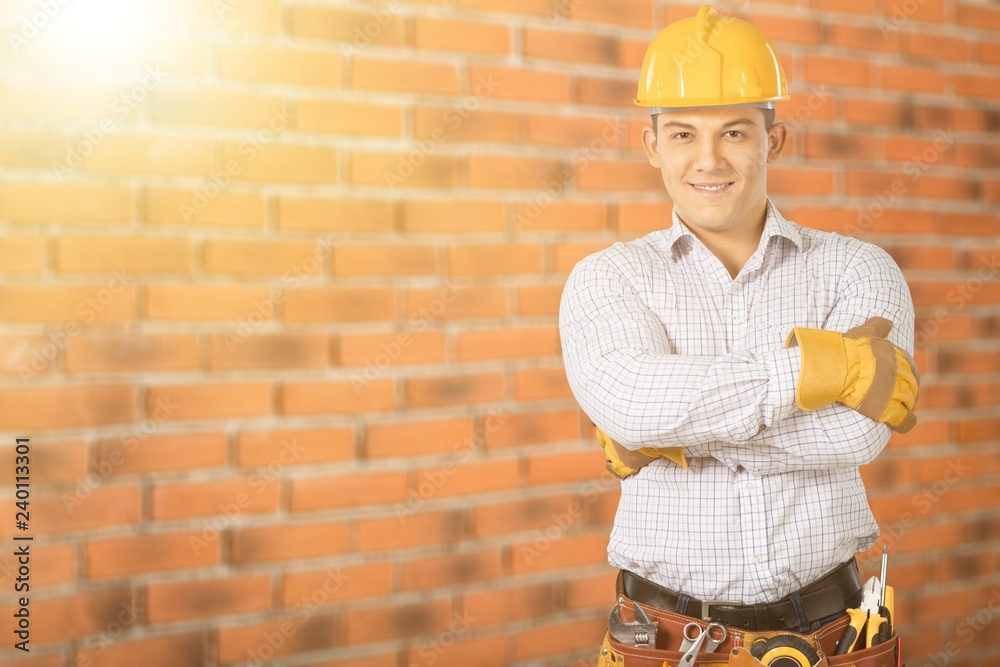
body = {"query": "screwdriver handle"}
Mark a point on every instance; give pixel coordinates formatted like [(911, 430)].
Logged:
[(884, 633)]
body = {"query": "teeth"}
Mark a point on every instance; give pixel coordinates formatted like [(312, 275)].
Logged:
[(711, 187)]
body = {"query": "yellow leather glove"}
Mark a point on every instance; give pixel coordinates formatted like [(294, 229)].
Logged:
[(624, 462), (860, 369)]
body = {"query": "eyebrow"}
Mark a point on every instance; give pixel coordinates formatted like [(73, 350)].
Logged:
[(687, 126)]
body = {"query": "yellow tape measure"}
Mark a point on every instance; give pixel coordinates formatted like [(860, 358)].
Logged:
[(784, 651)]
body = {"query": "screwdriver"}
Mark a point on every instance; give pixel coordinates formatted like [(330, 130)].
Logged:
[(880, 624)]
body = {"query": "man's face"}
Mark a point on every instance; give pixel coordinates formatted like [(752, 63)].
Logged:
[(714, 165)]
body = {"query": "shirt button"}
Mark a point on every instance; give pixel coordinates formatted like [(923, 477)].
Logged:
[(749, 486), (756, 560)]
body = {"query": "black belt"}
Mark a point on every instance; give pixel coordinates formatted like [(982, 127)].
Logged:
[(828, 596)]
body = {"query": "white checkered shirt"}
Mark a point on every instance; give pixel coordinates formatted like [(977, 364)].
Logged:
[(663, 347)]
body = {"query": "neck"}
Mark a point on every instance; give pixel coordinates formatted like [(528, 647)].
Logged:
[(735, 246)]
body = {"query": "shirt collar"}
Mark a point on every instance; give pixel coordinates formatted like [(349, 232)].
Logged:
[(774, 225)]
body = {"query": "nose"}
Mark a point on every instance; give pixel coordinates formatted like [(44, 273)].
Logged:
[(709, 157)]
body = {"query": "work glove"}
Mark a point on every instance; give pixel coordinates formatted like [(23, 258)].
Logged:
[(624, 462), (860, 369)]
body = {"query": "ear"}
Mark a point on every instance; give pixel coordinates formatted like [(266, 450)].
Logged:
[(649, 144), (776, 141)]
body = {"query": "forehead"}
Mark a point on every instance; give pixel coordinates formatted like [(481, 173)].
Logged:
[(712, 118)]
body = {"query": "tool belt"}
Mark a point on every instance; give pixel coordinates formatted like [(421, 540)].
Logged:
[(734, 650), (801, 629), (821, 600)]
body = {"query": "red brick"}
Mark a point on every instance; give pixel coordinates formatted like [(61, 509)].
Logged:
[(567, 255), (70, 202), (294, 447), (25, 408), (465, 36), (368, 580), (531, 429), (414, 438), (350, 118), (644, 216), (572, 46), (259, 544), (877, 112), (539, 300), (854, 38), (419, 168), (159, 651), (305, 631), (411, 530), (978, 430), (210, 400), (211, 302), (451, 569), (604, 91), (427, 617), (460, 478), (977, 86), (90, 504), (357, 395), (453, 217), (593, 591), (507, 83), (517, 173), (188, 600), (482, 652), (464, 303), (507, 344), (51, 460), (634, 13), (790, 28), (838, 71), (140, 452), (327, 304), (375, 351), (79, 615), (378, 26), (260, 350), (541, 384), (381, 260), (799, 181), (368, 73), (978, 17), (560, 552), (52, 565), (310, 494), (226, 497), (144, 351), (549, 639), (287, 66), (559, 512), (454, 389), (574, 466), (71, 306), (290, 260), (139, 554), (913, 79), (840, 146), (494, 259), (933, 48), (167, 206), (337, 215), (534, 216), (24, 255), (282, 162), (633, 175), (496, 606), (464, 121)]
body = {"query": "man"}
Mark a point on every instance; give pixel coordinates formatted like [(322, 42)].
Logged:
[(712, 358)]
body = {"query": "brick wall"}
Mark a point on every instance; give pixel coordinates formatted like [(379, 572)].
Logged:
[(279, 298)]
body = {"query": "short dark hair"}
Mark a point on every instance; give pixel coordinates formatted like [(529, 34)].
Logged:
[(768, 120)]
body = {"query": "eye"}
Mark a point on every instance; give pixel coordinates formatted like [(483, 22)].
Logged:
[(734, 134), (681, 135)]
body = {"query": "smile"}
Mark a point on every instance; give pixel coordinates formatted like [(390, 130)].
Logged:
[(712, 188)]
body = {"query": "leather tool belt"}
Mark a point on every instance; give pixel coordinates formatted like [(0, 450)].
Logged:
[(818, 602), (734, 651)]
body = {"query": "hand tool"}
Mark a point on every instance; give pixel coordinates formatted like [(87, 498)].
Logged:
[(711, 636), (883, 631), (641, 632), (785, 651), (860, 616)]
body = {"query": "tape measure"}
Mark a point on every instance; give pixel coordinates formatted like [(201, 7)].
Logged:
[(784, 651)]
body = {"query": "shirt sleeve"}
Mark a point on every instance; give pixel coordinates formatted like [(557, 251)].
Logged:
[(626, 378), (835, 435)]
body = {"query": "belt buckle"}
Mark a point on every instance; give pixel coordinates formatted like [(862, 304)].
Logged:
[(705, 604)]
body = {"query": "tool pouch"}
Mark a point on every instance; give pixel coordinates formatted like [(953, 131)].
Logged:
[(668, 636)]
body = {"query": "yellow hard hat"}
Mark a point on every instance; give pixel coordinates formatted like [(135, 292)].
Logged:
[(709, 61)]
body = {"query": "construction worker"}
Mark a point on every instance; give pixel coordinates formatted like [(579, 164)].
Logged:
[(738, 367)]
